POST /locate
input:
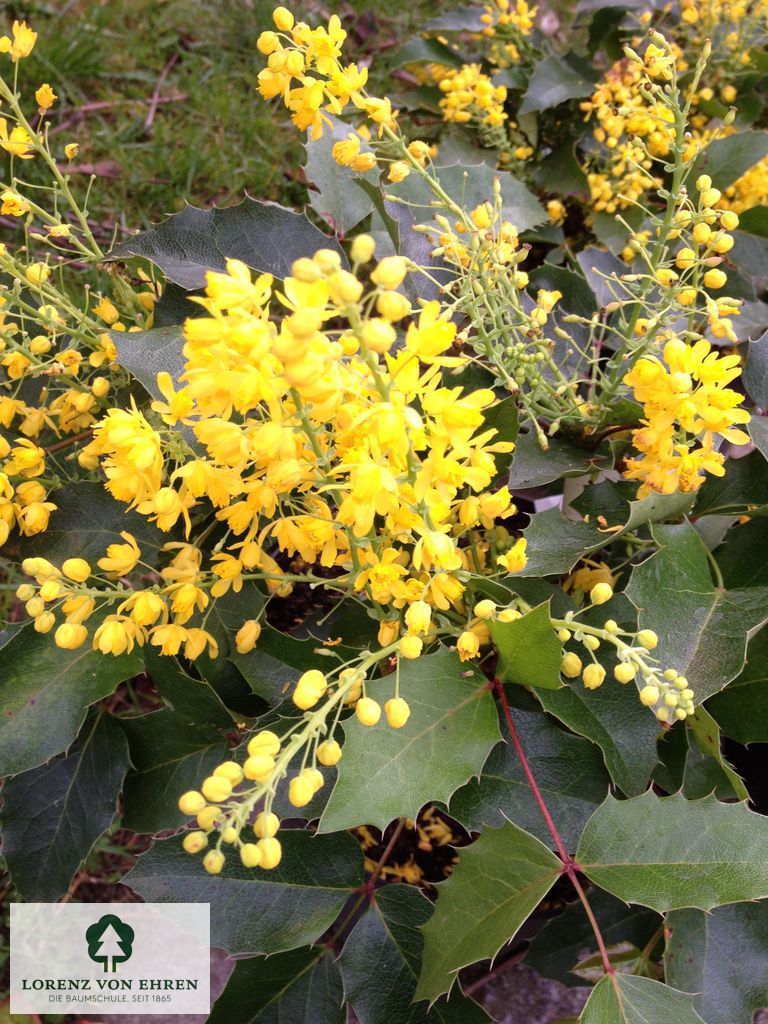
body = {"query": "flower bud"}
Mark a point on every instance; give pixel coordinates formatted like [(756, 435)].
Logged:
[(259, 767), (247, 636), (591, 642), (625, 672), (216, 789), (194, 842), (250, 855), (571, 665), (368, 711), (485, 609), (300, 791), (283, 19), (593, 676), (397, 711), (390, 272), (213, 862), (601, 593), (363, 248), (649, 695), (191, 803), (271, 852), (411, 646), (647, 639), (229, 835), (309, 689), (266, 825), (329, 753), (264, 742), (76, 569)]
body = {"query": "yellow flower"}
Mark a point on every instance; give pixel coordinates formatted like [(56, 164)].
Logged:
[(71, 150), (22, 43), (16, 142), (121, 559), (515, 560), (45, 96), (13, 204)]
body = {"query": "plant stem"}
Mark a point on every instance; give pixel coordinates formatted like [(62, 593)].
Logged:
[(569, 865)]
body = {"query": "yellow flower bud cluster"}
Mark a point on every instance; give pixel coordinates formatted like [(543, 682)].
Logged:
[(663, 691)]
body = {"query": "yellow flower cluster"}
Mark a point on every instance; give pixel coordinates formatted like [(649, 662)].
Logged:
[(303, 68), (470, 95), (313, 440), (685, 399)]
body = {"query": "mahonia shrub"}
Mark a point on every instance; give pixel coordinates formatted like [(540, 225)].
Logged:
[(395, 561)]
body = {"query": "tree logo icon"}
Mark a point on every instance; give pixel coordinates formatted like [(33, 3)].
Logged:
[(109, 940)]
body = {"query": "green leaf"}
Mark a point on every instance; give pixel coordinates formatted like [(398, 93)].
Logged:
[(45, 694), (473, 185), (758, 433), (86, 521), (172, 749), (560, 172), (742, 491), (612, 717), (553, 82), (282, 988), (741, 709), (266, 236), (743, 555), (52, 815), (722, 957), (699, 853), (702, 628), (386, 945), (534, 467), (147, 353), (336, 200), (498, 881), (568, 770), (561, 943), (276, 663), (626, 999), (386, 772), (725, 160), (755, 373), (706, 769), (529, 652), (255, 911)]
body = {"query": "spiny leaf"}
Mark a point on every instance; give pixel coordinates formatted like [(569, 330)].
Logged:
[(496, 884), (529, 652), (386, 772), (699, 853), (626, 999), (703, 629)]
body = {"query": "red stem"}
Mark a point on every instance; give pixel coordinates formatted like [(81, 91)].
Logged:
[(569, 865)]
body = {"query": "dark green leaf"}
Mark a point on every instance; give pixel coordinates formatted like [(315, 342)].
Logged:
[(496, 884), (741, 709), (568, 770), (147, 353), (529, 652), (612, 717), (702, 628), (52, 815), (626, 999), (699, 853), (755, 372), (45, 694), (386, 772), (553, 82), (742, 491), (255, 911), (381, 961), (562, 941), (336, 200), (726, 159), (722, 957), (534, 467), (266, 236), (281, 989)]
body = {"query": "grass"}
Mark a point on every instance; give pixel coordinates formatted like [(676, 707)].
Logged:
[(208, 137)]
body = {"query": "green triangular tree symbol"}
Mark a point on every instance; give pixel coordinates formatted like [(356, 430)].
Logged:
[(110, 941)]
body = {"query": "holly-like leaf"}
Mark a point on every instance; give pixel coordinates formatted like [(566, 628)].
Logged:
[(529, 652), (699, 853), (561, 943), (726, 159), (172, 749), (386, 772), (256, 911), (703, 629), (284, 987), (534, 467), (386, 944), (568, 770), (336, 200), (742, 491), (87, 519), (612, 717), (45, 694), (755, 373), (722, 957), (147, 353), (52, 815), (266, 236), (553, 82), (626, 999), (496, 884), (741, 709)]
